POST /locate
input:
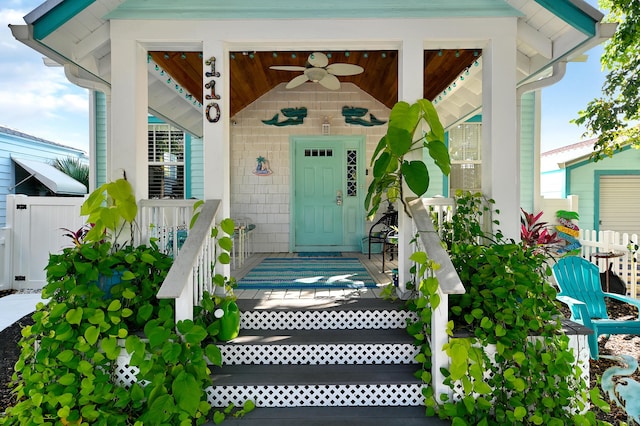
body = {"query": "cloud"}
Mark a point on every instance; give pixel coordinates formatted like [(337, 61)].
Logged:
[(34, 98)]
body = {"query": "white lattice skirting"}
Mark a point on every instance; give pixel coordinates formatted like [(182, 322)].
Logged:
[(322, 354), (299, 395), (324, 320), (319, 395)]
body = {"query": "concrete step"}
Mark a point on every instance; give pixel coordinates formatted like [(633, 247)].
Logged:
[(337, 416)]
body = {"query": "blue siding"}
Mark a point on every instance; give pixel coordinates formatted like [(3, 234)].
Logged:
[(100, 148), (527, 151), (28, 147), (196, 169)]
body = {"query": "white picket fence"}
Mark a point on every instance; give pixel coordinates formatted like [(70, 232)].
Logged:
[(623, 250)]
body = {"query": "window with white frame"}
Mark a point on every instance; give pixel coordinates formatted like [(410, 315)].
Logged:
[(465, 149), (166, 161)]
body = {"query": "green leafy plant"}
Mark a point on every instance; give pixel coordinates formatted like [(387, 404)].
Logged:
[(66, 372), (74, 168), (391, 168), (110, 209), (515, 366), (612, 117), (473, 218)]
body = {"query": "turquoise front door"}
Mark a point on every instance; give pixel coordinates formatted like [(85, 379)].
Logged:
[(327, 204)]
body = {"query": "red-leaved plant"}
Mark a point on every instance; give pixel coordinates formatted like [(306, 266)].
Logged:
[(534, 233)]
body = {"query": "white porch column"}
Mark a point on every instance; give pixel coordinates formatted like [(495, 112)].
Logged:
[(129, 106), (500, 150), (410, 89), (215, 135)]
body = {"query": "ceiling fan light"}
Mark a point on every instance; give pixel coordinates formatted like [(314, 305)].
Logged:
[(316, 74)]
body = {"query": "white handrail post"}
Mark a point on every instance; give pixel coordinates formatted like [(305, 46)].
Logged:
[(191, 266), (184, 302), (448, 283), (439, 337)]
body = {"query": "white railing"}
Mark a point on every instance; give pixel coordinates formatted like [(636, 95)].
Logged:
[(191, 273), (166, 221), (429, 241), (621, 247)]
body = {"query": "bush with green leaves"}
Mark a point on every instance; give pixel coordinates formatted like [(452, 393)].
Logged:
[(66, 372), (506, 375)]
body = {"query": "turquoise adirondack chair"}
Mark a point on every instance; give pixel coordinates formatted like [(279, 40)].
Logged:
[(580, 289)]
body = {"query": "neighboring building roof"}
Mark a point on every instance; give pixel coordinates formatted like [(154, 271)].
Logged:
[(13, 132), (552, 160)]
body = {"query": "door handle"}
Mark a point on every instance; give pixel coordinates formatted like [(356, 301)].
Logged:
[(339, 198)]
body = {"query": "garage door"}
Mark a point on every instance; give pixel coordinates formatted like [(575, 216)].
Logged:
[(620, 203)]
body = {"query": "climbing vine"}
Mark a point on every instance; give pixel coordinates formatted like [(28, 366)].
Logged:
[(510, 361)]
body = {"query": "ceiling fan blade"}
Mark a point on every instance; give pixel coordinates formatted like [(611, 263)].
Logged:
[(287, 68), (331, 82), (318, 59), (297, 81), (344, 69)]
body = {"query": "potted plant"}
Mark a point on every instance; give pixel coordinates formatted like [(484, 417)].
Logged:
[(67, 370)]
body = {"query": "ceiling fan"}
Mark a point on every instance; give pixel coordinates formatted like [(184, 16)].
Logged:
[(318, 70)]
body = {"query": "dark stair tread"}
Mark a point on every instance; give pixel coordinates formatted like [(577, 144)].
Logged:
[(297, 337), (291, 375), (319, 304), (351, 416)]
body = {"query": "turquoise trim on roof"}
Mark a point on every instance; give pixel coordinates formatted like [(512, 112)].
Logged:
[(58, 16), (577, 162), (571, 14), (308, 9)]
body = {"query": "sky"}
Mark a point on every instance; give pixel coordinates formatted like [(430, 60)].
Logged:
[(36, 99), (39, 100)]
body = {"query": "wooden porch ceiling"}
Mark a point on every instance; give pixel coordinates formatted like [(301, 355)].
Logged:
[(251, 76)]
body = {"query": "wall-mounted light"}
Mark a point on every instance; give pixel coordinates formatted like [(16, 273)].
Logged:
[(326, 125)]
